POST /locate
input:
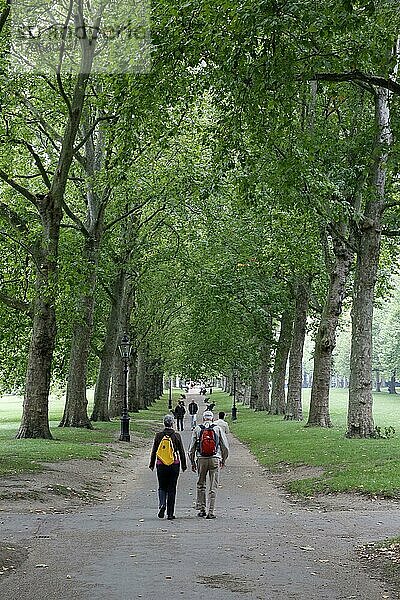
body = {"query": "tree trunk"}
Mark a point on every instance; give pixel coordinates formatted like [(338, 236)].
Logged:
[(392, 383), (102, 389), (253, 400), (326, 336), (294, 409), (278, 396), (75, 410), (35, 420), (132, 395), (117, 373), (141, 378), (262, 402), (377, 380), (360, 421)]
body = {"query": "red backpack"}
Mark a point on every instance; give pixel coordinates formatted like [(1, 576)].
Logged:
[(208, 441)]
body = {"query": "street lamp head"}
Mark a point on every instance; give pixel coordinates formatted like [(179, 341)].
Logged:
[(125, 346)]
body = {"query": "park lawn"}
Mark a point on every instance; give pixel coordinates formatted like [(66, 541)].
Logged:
[(368, 466), (17, 456)]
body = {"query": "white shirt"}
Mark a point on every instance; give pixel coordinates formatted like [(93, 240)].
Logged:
[(222, 425)]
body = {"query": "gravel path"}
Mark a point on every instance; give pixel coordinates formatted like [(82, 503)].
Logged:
[(262, 545)]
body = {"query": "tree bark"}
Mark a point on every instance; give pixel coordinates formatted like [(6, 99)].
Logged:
[(360, 421), (392, 383), (102, 389), (294, 409), (35, 421), (141, 377), (278, 395), (264, 377), (326, 335), (132, 396), (75, 410)]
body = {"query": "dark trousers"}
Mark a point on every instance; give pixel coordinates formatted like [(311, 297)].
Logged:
[(179, 423), (167, 481)]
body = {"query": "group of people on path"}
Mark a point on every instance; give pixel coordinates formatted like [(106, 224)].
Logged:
[(193, 408), (207, 453)]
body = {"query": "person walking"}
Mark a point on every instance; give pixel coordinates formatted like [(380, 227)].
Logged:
[(167, 471), (193, 409), (222, 423), (179, 413), (208, 452)]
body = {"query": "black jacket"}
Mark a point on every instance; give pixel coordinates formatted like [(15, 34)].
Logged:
[(193, 408), (177, 443)]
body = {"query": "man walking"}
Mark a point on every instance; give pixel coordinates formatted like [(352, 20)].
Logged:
[(222, 423), (179, 413), (208, 452), (193, 409)]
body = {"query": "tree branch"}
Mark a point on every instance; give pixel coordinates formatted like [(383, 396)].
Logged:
[(125, 216), (75, 219), (358, 76), (39, 165), (19, 188), (16, 304), (13, 218), (4, 15), (391, 232)]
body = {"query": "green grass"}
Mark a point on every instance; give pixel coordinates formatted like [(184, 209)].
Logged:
[(365, 466), (17, 456), (369, 466)]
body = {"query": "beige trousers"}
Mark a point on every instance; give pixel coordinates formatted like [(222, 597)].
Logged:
[(206, 466)]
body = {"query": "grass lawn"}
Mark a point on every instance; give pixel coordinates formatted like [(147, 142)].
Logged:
[(368, 466), (17, 456)]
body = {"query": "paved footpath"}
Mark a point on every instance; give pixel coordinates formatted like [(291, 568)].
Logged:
[(261, 546)]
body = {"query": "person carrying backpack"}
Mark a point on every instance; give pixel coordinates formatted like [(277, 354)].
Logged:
[(193, 410), (168, 455), (208, 452)]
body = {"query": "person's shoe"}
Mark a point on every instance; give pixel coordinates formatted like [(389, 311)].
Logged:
[(161, 512), (210, 516), (171, 517), (201, 513)]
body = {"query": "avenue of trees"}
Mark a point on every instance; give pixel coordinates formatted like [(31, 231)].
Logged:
[(239, 193)]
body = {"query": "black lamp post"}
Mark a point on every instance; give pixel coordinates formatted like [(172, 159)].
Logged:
[(234, 409), (125, 351), (170, 394)]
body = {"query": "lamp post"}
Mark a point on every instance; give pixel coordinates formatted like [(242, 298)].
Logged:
[(170, 394), (234, 409), (125, 348)]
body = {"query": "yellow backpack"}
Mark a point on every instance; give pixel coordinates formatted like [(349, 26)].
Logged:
[(165, 451)]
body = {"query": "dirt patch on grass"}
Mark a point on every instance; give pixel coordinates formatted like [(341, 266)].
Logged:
[(67, 485), (286, 473)]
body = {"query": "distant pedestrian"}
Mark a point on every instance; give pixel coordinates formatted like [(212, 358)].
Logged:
[(208, 452), (210, 406), (222, 423), (179, 413), (193, 409), (168, 459)]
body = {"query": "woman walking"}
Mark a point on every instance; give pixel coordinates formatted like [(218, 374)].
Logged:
[(168, 455)]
